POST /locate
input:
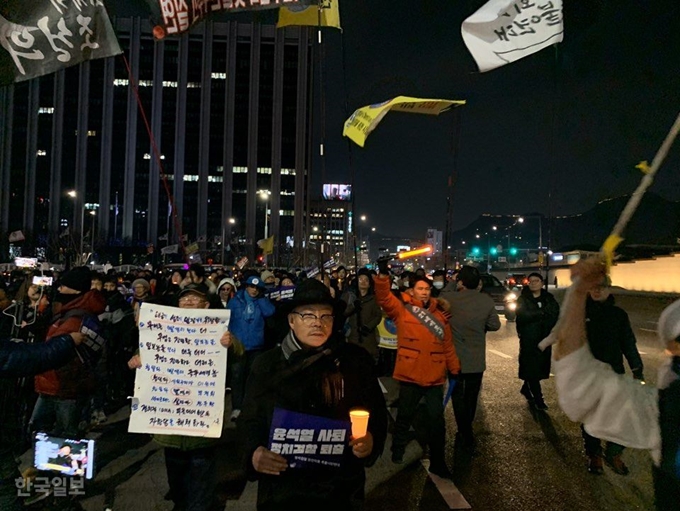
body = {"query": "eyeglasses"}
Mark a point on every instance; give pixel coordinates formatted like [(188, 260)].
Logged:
[(309, 319), (191, 299)]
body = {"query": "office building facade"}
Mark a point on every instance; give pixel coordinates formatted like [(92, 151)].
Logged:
[(228, 107)]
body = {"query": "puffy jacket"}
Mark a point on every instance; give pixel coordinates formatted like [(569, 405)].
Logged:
[(75, 379), (422, 358), (247, 319)]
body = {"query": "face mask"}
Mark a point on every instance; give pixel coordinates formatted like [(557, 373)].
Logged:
[(438, 284), (110, 294)]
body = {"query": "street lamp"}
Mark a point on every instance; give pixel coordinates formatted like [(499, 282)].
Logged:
[(264, 194), (94, 214), (74, 195)]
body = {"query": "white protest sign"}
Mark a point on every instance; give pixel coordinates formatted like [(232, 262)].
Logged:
[(180, 387), (503, 31)]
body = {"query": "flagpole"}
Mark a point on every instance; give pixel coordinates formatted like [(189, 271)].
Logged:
[(115, 220)]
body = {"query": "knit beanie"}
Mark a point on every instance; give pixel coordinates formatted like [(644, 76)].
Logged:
[(78, 279)]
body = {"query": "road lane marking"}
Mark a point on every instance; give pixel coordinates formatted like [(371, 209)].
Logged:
[(648, 329), (499, 354), (451, 494), (642, 352)]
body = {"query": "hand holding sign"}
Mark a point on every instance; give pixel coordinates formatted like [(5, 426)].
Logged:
[(268, 462)]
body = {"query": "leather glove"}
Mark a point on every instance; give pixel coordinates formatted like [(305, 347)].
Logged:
[(383, 267)]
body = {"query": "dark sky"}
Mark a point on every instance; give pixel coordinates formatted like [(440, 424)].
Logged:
[(575, 120)]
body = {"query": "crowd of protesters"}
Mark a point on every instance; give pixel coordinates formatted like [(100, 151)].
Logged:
[(416, 328)]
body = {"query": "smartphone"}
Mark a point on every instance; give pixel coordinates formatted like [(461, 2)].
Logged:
[(65, 456), (42, 281), (25, 262)]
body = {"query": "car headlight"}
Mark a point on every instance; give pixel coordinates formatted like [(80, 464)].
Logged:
[(510, 297), (512, 306)]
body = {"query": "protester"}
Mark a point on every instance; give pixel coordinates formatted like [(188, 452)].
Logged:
[(610, 338), (363, 313), (315, 373), (537, 313), (472, 314), (611, 406), (226, 291), (424, 354), (63, 394), (438, 282), (249, 309), (190, 460)]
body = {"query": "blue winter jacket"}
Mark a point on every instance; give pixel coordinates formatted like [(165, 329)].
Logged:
[(247, 318)]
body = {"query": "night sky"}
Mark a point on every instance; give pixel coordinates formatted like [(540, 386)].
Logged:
[(573, 119)]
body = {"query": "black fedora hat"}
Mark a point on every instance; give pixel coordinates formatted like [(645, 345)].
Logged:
[(310, 292)]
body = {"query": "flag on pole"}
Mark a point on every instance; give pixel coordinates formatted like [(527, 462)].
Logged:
[(309, 15), (38, 38), (164, 237), (503, 31), (267, 245), (364, 120), (16, 236)]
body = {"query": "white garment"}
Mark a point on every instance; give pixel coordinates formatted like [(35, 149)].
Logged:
[(611, 406)]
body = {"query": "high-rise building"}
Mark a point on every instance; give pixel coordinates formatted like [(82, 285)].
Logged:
[(228, 106), (330, 229)]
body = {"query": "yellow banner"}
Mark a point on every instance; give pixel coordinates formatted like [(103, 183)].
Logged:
[(267, 245), (309, 15), (364, 120)]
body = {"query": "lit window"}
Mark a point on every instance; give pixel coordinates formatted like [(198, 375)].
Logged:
[(167, 83), (46, 110), (41, 152), (215, 179), (121, 82), (219, 76), (190, 177), (91, 133)]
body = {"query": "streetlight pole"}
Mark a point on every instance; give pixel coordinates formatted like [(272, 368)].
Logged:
[(264, 194)]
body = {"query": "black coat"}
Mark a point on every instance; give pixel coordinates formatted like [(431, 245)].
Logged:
[(611, 337), (271, 385), (535, 319)]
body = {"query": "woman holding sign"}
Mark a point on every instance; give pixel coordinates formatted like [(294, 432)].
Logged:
[(296, 415)]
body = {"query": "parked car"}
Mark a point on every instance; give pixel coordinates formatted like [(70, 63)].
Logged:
[(505, 300)]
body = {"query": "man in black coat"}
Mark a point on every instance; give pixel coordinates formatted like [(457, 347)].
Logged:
[(19, 360), (312, 373), (610, 338), (537, 313)]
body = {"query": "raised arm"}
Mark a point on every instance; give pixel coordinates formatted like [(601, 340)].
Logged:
[(389, 303)]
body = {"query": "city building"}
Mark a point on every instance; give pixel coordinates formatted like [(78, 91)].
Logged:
[(330, 230), (228, 106)]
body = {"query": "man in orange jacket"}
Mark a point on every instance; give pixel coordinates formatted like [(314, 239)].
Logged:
[(425, 353)]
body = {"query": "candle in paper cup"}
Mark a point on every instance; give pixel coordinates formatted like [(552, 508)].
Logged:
[(359, 419)]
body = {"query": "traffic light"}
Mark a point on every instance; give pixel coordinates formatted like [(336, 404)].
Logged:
[(475, 250), (493, 251), (513, 251)]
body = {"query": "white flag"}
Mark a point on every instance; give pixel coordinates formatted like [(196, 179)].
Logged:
[(16, 236), (164, 237), (170, 249), (503, 31)]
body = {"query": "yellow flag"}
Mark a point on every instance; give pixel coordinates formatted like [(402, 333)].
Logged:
[(364, 120), (267, 245), (309, 15)]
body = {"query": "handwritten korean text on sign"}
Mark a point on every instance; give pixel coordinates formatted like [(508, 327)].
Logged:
[(180, 387)]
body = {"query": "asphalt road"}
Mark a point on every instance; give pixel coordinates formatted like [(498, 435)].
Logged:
[(527, 460)]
